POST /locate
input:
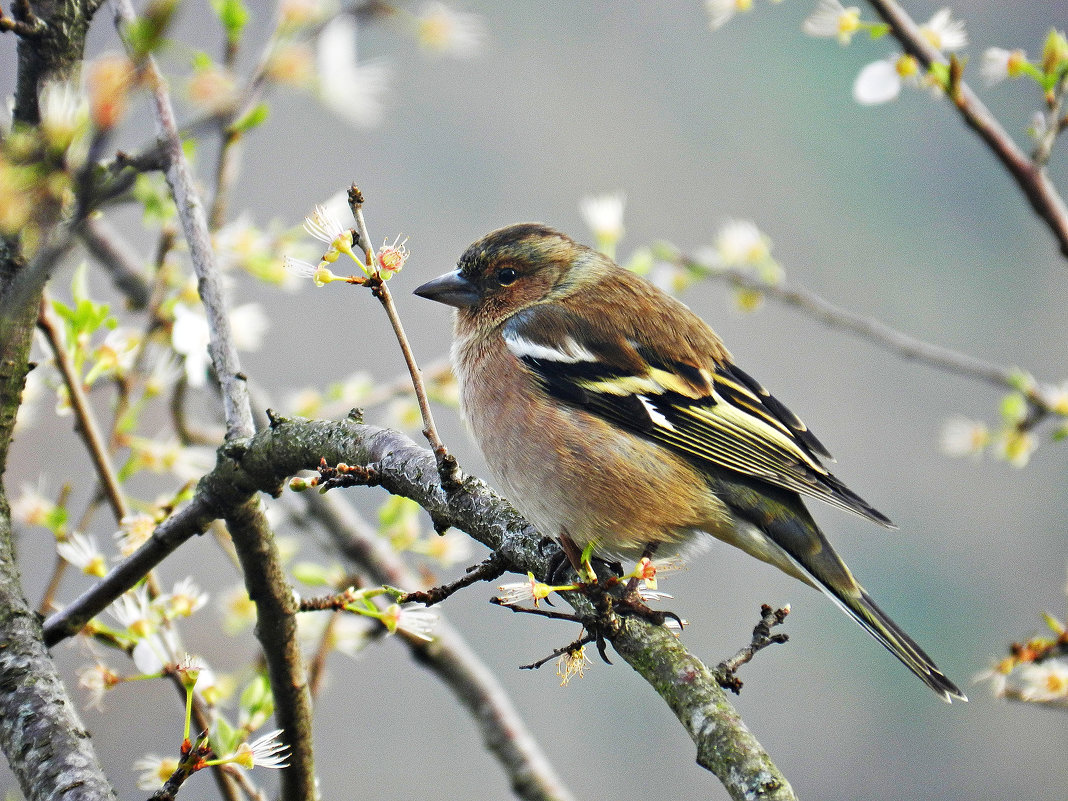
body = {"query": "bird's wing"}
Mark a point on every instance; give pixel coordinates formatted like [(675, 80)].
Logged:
[(705, 409)]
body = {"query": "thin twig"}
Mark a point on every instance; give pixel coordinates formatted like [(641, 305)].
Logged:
[(29, 26), (94, 442), (762, 638), (238, 411), (1031, 177), (447, 466), (106, 245)]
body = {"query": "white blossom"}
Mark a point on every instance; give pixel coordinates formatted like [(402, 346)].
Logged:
[(350, 89)]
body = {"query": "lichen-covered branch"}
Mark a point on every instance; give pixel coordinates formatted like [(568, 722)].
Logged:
[(46, 745), (724, 745)]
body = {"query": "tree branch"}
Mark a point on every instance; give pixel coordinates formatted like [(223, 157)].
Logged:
[(905, 346), (288, 446), (449, 657), (1031, 177)]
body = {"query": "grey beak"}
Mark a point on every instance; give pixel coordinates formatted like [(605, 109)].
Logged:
[(452, 289)]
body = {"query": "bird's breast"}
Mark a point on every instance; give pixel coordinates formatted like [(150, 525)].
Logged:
[(569, 471)]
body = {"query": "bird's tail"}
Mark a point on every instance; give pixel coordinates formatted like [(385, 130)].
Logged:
[(782, 532), (876, 622)]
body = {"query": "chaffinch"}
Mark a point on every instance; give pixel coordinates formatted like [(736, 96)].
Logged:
[(610, 414)]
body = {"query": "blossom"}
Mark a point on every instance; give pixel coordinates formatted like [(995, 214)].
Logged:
[(134, 613), (239, 611), (1042, 682), (109, 80), (449, 549), (185, 599), (1016, 446), (650, 595), (115, 355), (97, 680), (412, 620), (351, 90), (740, 242), (296, 14), (190, 338), (291, 64), (320, 274), (134, 531), (213, 90), (155, 770), (391, 258), (571, 664), (831, 18), (943, 32), (264, 752), (604, 215), (248, 324), (963, 437), (881, 81), (82, 551), (32, 507), (186, 462), (519, 592), (1057, 397), (442, 29), (998, 64), (64, 112), (720, 12)]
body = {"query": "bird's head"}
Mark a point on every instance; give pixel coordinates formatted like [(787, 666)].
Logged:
[(509, 270)]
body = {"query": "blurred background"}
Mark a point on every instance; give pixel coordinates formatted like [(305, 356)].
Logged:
[(895, 211)]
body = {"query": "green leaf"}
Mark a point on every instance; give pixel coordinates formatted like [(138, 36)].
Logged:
[(1013, 407), (79, 283), (145, 34), (225, 738), (257, 702), (255, 117), (201, 60), (641, 261), (56, 519), (151, 193), (313, 574), (234, 17)]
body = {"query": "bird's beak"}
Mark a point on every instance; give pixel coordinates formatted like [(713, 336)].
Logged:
[(452, 289)]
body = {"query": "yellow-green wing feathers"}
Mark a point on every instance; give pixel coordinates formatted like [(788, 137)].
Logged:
[(709, 411)]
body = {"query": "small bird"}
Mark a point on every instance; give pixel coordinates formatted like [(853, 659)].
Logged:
[(609, 413)]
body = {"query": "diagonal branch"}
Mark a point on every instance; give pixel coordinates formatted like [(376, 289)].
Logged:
[(905, 346), (1030, 176), (724, 745)]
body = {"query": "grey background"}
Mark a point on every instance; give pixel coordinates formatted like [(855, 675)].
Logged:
[(896, 212)]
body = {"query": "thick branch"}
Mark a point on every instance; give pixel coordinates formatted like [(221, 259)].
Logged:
[(410, 470), (276, 629), (46, 744)]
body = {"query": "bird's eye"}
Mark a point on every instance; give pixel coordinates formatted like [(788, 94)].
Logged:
[(506, 276)]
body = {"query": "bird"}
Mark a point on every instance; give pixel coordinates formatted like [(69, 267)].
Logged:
[(613, 417)]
